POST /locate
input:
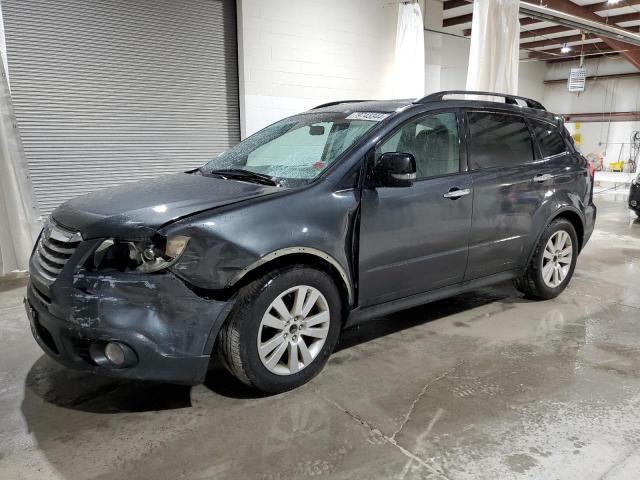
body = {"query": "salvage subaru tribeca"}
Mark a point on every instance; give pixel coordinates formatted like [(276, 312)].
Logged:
[(341, 214)]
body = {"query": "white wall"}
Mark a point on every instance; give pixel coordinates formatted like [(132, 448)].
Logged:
[(608, 95), (600, 96), (453, 55), (295, 55), (432, 14)]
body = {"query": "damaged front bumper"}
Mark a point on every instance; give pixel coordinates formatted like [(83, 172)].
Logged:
[(170, 329)]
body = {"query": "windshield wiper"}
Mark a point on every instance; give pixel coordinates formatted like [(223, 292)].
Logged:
[(244, 175)]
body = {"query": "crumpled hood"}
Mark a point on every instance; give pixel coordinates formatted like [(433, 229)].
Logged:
[(137, 209)]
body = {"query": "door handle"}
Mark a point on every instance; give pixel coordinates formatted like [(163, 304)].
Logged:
[(456, 192), (542, 178)]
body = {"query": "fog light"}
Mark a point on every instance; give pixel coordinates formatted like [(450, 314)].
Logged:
[(114, 353), (633, 203)]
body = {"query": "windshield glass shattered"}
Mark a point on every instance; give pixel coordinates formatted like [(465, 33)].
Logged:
[(297, 149)]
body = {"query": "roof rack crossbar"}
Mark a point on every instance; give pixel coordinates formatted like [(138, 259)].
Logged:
[(508, 98), (338, 102)]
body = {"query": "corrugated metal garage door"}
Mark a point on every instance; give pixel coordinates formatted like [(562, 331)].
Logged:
[(111, 91)]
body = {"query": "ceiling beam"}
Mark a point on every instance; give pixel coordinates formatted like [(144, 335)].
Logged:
[(559, 29), (524, 21), (556, 54), (575, 59), (557, 40), (628, 51), (602, 117), (450, 22), (551, 54), (619, 18), (448, 5), (544, 31), (624, 17), (602, 6), (601, 77)]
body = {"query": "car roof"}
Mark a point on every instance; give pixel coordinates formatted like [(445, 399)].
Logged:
[(393, 106), (382, 106)]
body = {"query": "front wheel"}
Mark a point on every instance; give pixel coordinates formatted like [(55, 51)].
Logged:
[(283, 329), (553, 262)]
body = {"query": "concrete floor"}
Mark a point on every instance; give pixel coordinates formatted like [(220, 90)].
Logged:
[(484, 385)]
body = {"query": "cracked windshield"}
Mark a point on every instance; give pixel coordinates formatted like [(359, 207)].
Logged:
[(295, 150)]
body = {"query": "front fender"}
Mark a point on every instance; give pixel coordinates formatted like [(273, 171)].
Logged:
[(227, 243)]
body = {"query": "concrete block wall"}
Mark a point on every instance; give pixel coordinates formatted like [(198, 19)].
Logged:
[(295, 55)]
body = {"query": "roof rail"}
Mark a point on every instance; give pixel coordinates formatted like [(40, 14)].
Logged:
[(338, 102), (508, 98)]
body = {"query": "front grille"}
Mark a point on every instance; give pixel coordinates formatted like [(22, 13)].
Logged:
[(55, 247)]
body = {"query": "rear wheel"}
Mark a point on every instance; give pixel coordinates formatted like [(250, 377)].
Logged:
[(283, 329), (553, 262)]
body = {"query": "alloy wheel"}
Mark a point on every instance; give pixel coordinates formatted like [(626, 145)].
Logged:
[(293, 330), (556, 260)]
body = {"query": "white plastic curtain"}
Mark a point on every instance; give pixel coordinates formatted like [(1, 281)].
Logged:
[(495, 44), (409, 55), (17, 212)]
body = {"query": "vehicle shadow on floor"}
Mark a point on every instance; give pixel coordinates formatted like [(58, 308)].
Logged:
[(74, 390)]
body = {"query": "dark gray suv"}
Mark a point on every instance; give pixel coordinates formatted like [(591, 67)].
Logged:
[(346, 212)]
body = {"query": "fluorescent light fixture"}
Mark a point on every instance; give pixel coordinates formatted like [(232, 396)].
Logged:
[(565, 49), (613, 2)]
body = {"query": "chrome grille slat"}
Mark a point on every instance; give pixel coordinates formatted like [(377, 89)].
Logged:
[(43, 273), (62, 251), (58, 261), (50, 268), (55, 248)]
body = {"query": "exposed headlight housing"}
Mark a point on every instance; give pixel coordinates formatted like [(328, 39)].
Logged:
[(139, 256)]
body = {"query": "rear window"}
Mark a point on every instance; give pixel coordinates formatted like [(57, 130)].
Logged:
[(549, 139), (498, 140)]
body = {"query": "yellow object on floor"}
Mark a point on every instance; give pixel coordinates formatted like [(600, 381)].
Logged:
[(616, 166)]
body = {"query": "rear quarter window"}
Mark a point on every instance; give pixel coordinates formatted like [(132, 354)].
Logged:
[(498, 140), (549, 139)]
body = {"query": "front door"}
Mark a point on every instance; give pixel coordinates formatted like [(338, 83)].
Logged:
[(415, 239)]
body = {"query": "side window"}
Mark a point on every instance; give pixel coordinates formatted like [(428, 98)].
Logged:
[(550, 141), (498, 140), (432, 140)]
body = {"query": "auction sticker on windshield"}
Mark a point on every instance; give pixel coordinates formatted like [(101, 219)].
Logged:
[(371, 116)]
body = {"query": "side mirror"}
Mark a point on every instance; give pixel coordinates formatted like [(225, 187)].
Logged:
[(395, 169)]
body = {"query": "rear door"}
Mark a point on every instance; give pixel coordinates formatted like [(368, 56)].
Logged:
[(414, 239), (509, 185), (562, 162)]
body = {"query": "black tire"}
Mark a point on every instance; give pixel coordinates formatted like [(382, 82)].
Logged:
[(237, 342), (531, 283)]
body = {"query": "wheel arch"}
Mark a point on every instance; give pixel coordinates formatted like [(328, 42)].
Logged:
[(297, 255), (570, 214), (576, 220)]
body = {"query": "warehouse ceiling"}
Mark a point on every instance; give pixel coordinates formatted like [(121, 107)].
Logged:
[(543, 40)]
